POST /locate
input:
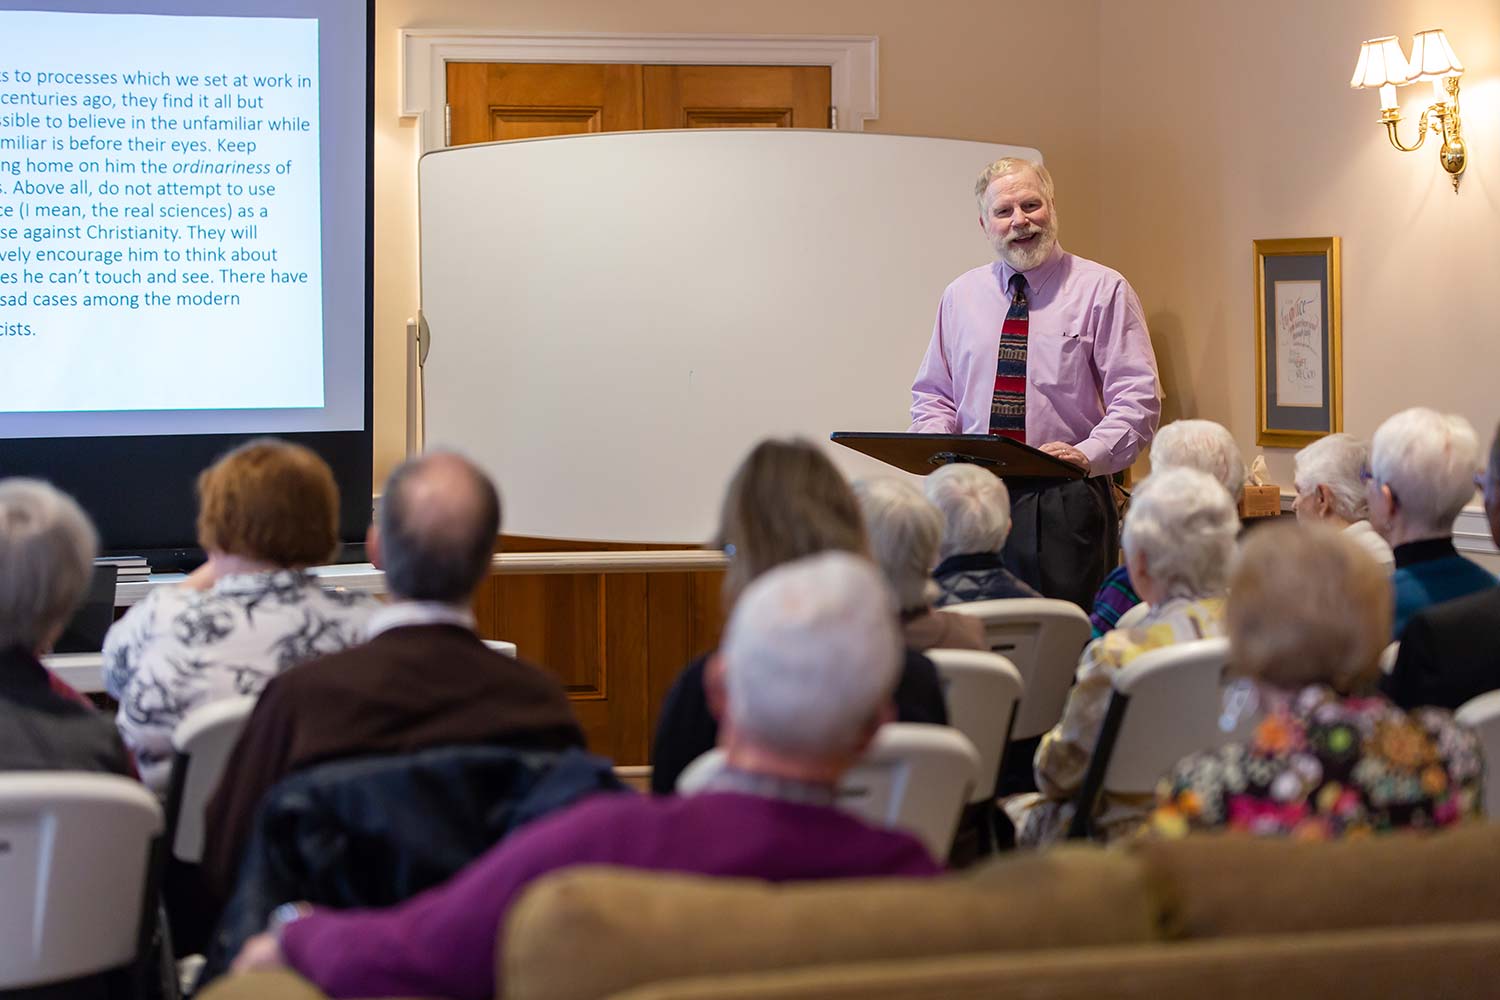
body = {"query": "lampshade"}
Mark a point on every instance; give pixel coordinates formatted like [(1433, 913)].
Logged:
[(1432, 57), (1381, 63)]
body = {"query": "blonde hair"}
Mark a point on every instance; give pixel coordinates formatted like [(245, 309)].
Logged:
[(785, 501), (1308, 605)]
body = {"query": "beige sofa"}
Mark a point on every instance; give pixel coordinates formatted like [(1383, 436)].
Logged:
[(1218, 917)]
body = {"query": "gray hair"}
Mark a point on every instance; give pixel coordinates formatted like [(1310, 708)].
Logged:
[(1428, 459), (47, 548), (1010, 165), (438, 520), (811, 654), (1202, 445), (905, 533), (975, 506), (1335, 461), (1182, 523)]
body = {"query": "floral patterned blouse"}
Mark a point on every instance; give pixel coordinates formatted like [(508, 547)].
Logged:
[(1320, 766), (181, 648)]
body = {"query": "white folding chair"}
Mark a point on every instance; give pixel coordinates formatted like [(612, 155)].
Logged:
[(78, 874), (1043, 639), (202, 742), (1388, 657), (914, 777), (501, 646), (1482, 715), (983, 692), (1165, 705)]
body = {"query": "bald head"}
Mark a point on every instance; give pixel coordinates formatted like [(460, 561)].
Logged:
[(438, 523)]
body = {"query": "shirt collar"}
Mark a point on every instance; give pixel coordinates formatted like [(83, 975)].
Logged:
[(403, 614), (255, 583), (968, 561), (1037, 278), (730, 779), (1424, 550)]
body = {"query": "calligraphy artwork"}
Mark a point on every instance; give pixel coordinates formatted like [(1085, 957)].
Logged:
[(1299, 343)]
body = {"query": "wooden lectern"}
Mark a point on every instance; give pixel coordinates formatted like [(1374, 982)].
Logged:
[(921, 453)]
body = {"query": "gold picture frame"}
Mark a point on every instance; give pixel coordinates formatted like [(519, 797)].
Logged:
[(1299, 359)]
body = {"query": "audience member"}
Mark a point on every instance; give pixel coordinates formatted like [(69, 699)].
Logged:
[(906, 531), (1448, 651), (1178, 538), (47, 548), (1326, 476), (423, 678), (266, 512), (1190, 444), (976, 522), (1422, 467), (1309, 612), (786, 501), (807, 667)]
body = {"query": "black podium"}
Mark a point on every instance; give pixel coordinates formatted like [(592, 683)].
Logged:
[(919, 454)]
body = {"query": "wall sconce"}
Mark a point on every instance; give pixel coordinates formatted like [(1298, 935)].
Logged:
[(1382, 64)]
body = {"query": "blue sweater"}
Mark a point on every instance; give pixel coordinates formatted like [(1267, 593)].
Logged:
[(1430, 572)]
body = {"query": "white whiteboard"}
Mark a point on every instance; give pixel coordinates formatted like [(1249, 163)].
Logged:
[(617, 318)]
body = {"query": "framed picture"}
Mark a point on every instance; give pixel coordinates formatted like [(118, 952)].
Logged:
[(1299, 379)]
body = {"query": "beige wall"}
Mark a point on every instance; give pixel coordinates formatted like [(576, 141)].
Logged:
[(944, 66), (1227, 122)]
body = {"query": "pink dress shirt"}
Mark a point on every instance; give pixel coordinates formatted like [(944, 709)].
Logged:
[(1090, 372)]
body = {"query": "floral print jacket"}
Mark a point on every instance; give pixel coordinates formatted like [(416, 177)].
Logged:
[(1320, 766)]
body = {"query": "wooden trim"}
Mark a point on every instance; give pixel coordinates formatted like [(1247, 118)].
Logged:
[(425, 52), (683, 560)]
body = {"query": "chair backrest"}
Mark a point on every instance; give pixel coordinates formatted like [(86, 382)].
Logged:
[(1482, 715), (1165, 705), (77, 874), (983, 692), (1388, 657), (202, 741), (501, 646), (914, 777), (1133, 615), (1043, 638)]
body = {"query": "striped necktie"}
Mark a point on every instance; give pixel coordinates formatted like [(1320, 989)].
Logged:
[(1008, 409)]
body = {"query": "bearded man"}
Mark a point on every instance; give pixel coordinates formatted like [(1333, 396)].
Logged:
[(1049, 349)]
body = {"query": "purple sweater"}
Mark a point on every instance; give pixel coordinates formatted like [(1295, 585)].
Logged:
[(442, 942)]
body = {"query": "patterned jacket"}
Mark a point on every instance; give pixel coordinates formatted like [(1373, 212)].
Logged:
[(977, 576)]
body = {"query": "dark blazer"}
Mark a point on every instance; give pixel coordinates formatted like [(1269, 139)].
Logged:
[(687, 729), (42, 730), (1449, 653), (376, 831), (405, 690)]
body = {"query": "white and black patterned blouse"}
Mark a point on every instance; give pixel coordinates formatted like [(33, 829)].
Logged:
[(181, 648)]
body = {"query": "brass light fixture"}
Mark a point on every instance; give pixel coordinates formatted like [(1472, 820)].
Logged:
[(1382, 64)]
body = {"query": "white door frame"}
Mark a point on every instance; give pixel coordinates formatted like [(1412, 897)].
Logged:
[(426, 52)]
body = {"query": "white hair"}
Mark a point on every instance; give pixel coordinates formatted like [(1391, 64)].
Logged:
[(1202, 445), (47, 547), (1428, 459), (1182, 524), (811, 654), (1335, 461), (1011, 165), (905, 532), (975, 506)]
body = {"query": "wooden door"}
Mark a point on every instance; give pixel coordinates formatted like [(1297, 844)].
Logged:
[(616, 640)]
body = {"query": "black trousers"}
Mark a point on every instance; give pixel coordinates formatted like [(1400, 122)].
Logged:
[(1064, 536)]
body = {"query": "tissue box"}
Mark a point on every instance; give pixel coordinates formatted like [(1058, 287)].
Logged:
[(1260, 501)]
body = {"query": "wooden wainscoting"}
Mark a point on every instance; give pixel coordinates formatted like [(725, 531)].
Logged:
[(615, 622)]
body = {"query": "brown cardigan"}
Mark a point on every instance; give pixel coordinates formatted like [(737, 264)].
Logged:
[(407, 689)]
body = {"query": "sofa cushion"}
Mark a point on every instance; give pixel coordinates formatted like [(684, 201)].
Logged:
[(1442, 960), (589, 932), (1218, 885)]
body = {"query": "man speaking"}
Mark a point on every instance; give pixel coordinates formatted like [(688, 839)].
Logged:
[(1051, 350)]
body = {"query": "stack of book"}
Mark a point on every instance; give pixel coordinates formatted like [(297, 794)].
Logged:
[(128, 569)]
